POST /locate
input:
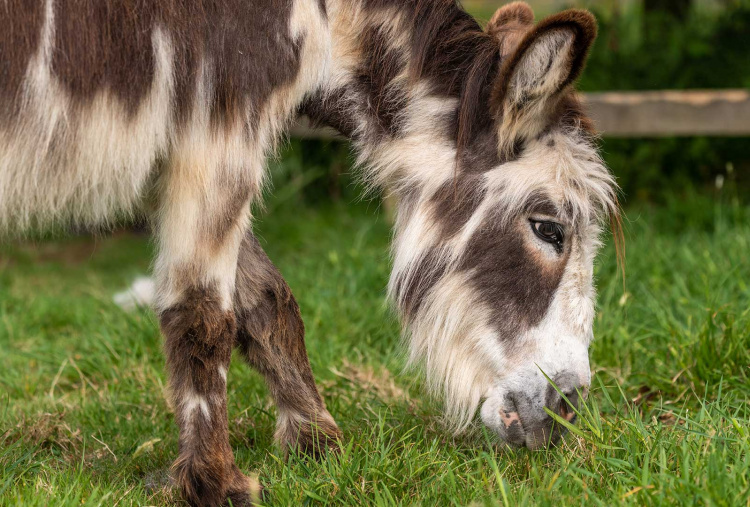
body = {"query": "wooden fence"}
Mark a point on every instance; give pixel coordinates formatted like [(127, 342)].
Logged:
[(724, 113)]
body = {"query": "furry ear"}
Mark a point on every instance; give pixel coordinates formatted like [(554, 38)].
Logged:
[(509, 24), (533, 78)]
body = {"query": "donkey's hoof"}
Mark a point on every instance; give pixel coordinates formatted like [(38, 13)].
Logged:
[(244, 491), (235, 489), (318, 444), (314, 439)]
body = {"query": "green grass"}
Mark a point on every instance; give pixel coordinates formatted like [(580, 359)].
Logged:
[(83, 417)]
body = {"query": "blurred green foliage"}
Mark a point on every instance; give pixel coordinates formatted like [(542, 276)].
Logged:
[(641, 49), (651, 50)]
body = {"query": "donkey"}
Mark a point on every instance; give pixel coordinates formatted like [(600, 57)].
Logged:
[(170, 108)]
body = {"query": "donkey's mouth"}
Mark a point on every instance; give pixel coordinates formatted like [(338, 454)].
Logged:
[(518, 428), (537, 435)]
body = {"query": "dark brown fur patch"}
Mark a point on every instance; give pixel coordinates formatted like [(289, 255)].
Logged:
[(539, 204), (455, 202), (516, 287), (230, 203), (512, 283), (22, 22), (334, 108), (253, 52), (407, 202), (481, 155), (104, 44), (199, 337), (380, 66), (428, 270)]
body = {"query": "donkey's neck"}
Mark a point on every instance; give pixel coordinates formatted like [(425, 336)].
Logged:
[(405, 85)]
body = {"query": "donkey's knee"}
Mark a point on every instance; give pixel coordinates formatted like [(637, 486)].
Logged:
[(271, 337)]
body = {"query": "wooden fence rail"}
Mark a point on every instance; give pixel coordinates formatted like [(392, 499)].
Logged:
[(666, 113)]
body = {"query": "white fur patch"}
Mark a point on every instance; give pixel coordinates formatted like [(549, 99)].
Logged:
[(448, 336), (141, 293), (543, 67), (194, 402)]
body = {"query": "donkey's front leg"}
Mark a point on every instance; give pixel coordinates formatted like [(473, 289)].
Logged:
[(203, 213), (271, 337)]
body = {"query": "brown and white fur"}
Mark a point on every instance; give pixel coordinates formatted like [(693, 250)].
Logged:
[(107, 108)]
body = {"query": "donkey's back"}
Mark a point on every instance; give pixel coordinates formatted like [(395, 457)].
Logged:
[(95, 95)]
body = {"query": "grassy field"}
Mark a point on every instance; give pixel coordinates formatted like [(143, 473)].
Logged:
[(83, 418)]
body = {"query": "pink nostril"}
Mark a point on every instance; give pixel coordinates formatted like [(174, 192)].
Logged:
[(567, 414), (566, 410), (509, 418)]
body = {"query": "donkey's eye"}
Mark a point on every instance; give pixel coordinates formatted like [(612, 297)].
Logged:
[(550, 232)]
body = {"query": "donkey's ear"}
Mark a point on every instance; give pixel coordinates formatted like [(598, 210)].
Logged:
[(509, 24), (546, 61)]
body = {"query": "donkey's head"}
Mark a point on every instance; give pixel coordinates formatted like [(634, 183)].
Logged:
[(493, 262)]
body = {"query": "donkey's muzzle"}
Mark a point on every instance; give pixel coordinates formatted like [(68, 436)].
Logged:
[(523, 420)]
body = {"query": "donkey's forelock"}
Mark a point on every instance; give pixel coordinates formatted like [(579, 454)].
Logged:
[(564, 168)]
